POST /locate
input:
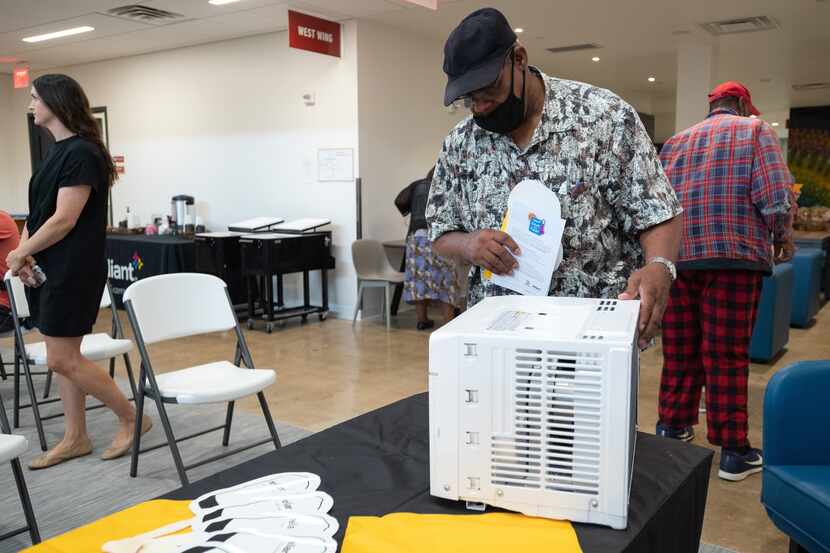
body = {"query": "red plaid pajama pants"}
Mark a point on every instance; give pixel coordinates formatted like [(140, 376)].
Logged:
[(706, 333)]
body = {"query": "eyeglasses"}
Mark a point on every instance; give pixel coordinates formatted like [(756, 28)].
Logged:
[(489, 92)]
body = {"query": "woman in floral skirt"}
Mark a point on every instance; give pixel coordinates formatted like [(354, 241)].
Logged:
[(430, 278)]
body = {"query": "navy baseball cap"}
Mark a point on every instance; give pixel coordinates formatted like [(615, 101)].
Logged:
[(474, 52)]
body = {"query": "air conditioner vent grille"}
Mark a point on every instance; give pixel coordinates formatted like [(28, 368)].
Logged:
[(145, 14), (556, 443), (573, 48), (740, 25)]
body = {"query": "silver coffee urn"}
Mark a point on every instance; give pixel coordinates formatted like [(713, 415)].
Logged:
[(182, 212)]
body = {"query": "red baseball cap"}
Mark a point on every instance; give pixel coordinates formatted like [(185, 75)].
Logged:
[(734, 89)]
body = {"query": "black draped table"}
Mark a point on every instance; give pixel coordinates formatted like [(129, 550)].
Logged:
[(378, 464), (131, 257)]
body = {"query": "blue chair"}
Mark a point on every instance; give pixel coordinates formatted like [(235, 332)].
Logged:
[(796, 478), (807, 266), (772, 325)]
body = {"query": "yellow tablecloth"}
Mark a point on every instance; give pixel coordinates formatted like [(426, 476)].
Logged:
[(142, 518), (488, 533)]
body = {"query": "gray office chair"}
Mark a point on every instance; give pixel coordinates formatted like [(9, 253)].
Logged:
[(374, 271)]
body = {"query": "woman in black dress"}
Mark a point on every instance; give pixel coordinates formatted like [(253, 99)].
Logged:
[(65, 234)]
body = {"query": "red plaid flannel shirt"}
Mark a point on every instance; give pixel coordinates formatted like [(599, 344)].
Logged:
[(731, 178)]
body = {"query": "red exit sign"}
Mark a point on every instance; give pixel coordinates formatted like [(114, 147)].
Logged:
[(20, 77), (306, 32)]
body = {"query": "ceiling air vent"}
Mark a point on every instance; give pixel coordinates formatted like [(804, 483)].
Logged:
[(741, 25), (145, 14), (811, 86), (574, 48)]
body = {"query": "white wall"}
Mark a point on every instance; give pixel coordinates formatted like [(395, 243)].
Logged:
[(664, 126), (7, 203), (402, 118), (641, 101), (696, 71), (402, 122), (664, 117), (226, 123)]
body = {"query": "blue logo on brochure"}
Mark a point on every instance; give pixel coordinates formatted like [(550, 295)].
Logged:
[(537, 226)]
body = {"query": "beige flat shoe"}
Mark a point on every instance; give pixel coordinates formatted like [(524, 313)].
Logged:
[(113, 452), (52, 458)]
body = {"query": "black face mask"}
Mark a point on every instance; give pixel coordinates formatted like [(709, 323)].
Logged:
[(510, 114)]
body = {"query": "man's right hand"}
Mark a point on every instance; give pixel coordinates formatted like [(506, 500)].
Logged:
[(784, 251), (489, 249)]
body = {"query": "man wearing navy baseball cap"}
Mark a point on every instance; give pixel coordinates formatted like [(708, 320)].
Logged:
[(584, 143)]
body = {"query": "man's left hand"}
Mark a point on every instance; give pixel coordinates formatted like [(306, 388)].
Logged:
[(651, 285)]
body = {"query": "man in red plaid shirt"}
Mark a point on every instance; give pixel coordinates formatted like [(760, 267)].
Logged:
[(730, 176)]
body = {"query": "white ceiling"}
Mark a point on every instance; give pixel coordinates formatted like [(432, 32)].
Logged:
[(639, 40), (115, 37), (639, 37)]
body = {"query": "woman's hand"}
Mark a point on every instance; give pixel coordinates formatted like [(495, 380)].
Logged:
[(16, 261), (27, 276)]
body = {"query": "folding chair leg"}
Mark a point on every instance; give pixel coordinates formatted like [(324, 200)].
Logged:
[(48, 387), (129, 368), (112, 367), (139, 415), (388, 306), (171, 439), (268, 420), (16, 410), (359, 302), (35, 409), (226, 436), (23, 492)]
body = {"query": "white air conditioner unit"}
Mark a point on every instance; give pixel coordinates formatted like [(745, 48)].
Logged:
[(533, 407)]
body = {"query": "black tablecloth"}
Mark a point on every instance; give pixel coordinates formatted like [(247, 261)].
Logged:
[(131, 257), (378, 463)]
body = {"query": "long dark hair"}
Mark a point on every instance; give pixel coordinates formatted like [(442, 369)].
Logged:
[(68, 102)]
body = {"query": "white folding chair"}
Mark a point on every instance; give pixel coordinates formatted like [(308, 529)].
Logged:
[(3, 360), (3, 363), (95, 347), (374, 271), (6, 334), (101, 341), (11, 447), (179, 305)]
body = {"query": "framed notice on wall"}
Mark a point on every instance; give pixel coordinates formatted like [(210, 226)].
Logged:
[(100, 115), (335, 164)]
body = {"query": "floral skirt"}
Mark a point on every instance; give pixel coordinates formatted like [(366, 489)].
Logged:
[(429, 276)]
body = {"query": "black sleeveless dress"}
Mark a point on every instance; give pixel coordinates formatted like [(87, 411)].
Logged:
[(76, 269)]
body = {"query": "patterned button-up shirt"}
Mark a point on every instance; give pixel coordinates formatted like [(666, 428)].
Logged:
[(731, 178), (591, 149)]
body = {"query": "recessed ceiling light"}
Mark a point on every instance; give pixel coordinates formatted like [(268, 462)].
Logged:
[(595, 58), (221, 2), (59, 34), (651, 79), (775, 123), (518, 30)]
